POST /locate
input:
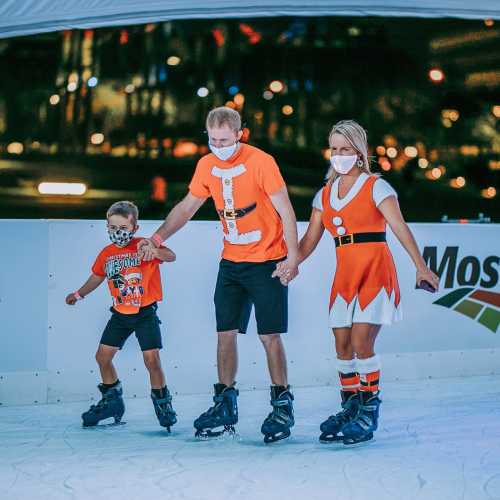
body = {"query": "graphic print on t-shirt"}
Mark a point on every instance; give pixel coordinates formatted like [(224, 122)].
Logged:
[(233, 236), (133, 284), (124, 273)]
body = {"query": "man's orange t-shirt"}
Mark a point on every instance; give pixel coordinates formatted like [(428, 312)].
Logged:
[(240, 188), (132, 283)]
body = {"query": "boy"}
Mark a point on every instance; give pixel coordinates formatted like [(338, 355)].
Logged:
[(135, 287)]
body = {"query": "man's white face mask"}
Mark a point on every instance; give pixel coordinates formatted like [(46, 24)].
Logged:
[(224, 153)]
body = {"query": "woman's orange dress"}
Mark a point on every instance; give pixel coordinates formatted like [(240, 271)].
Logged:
[(365, 287)]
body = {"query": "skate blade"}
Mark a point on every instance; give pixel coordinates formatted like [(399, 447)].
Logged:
[(329, 439), (104, 426), (207, 434), (351, 442), (273, 438)]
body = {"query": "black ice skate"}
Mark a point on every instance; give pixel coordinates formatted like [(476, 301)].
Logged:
[(111, 405), (331, 427), (220, 418), (164, 410), (365, 423), (278, 423)]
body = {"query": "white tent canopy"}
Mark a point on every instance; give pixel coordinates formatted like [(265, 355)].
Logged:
[(26, 17)]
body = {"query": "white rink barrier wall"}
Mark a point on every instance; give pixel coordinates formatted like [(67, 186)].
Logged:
[(47, 348)]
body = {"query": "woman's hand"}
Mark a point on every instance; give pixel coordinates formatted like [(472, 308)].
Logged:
[(286, 271), (426, 274)]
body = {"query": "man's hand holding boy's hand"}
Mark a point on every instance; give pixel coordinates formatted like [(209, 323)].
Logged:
[(146, 250)]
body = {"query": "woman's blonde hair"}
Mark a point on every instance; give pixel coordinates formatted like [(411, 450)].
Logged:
[(356, 136)]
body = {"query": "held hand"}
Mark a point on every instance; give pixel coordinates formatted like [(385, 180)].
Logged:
[(71, 299), (427, 275), (146, 250), (286, 271)]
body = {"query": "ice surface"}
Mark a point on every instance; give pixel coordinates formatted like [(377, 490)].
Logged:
[(438, 439)]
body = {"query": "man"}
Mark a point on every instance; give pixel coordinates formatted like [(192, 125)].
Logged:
[(257, 217)]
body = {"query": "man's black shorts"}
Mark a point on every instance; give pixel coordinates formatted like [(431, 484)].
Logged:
[(241, 284), (144, 323)]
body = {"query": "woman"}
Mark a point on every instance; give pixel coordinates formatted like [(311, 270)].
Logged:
[(355, 206)]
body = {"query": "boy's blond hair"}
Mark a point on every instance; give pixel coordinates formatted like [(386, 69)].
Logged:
[(221, 116), (125, 209)]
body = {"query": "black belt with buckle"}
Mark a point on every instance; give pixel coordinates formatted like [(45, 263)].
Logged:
[(349, 239), (236, 213)]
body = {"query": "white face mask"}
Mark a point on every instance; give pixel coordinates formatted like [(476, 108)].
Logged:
[(224, 153), (342, 164)]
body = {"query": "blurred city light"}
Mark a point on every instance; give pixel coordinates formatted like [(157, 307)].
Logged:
[(62, 188), (276, 86), (392, 152), (15, 148), (97, 138), (239, 99), (457, 183), (54, 99), (411, 151), (202, 92), (173, 61), (436, 75), (489, 192)]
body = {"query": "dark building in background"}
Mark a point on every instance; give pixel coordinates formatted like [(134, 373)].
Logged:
[(121, 111)]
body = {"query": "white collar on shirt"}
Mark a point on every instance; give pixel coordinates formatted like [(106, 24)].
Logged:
[(339, 204)]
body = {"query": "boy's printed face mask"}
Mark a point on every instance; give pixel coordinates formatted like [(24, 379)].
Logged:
[(121, 237)]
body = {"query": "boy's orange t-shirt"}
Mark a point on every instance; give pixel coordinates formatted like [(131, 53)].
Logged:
[(132, 283), (240, 188)]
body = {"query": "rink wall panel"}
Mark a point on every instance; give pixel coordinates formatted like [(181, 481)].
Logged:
[(47, 348)]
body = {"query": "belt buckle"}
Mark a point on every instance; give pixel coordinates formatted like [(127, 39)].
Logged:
[(229, 214), (349, 239)]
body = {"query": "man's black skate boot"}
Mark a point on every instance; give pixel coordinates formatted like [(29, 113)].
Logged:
[(332, 426), (163, 408), (111, 405), (220, 418), (278, 423), (365, 423)]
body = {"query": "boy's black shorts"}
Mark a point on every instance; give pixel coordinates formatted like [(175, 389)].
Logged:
[(145, 323), (241, 284)]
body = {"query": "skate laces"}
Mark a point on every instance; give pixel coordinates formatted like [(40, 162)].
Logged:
[(100, 405)]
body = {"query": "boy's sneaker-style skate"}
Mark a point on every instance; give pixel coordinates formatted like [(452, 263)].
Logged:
[(365, 423), (278, 423), (331, 427), (164, 410), (220, 418), (111, 405)]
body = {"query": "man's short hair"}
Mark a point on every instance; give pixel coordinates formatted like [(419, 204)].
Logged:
[(219, 117), (125, 209)]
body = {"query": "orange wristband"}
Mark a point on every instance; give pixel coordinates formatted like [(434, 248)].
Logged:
[(156, 239)]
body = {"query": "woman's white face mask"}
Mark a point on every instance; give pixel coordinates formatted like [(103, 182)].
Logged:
[(343, 164), (224, 153)]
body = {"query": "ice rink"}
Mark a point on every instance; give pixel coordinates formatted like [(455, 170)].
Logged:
[(438, 439)]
